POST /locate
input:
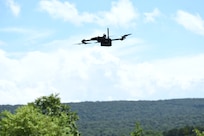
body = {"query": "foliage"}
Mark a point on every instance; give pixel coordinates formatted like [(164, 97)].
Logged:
[(27, 121), (117, 118), (154, 116), (198, 132), (184, 131), (137, 131), (44, 117), (50, 105)]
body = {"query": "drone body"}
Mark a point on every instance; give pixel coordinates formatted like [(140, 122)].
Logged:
[(103, 40)]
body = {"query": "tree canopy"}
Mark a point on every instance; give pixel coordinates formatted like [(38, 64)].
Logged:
[(46, 116), (137, 131), (117, 118)]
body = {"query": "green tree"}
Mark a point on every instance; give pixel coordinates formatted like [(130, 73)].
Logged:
[(198, 132), (138, 130), (44, 117), (184, 131)]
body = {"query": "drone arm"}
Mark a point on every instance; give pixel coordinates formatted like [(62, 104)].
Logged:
[(122, 38), (116, 39), (85, 41)]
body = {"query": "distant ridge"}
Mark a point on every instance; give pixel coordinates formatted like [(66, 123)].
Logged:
[(119, 117)]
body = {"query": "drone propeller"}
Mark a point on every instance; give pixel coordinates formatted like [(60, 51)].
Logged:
[(124, 36), (82, 43), (79, 43), (85, 42)]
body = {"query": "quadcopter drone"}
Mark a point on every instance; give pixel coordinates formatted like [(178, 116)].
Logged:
[(104, 40)]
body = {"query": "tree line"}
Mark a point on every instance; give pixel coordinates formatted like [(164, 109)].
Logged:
[(47, 116)]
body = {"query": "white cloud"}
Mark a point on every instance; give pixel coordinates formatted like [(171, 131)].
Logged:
[(122, 13), (150, 16), (190, 22), (15, 8), (93, 73), (162, 79), (65, 10), (14, 30), (32, 36)]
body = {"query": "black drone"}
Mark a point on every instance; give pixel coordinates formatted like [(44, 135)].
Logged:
[(104, 40)]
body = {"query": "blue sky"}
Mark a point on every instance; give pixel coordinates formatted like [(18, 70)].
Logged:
[(162, 59)]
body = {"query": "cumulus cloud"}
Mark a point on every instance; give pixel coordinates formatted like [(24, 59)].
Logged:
[(190, 21), (150, 16), (65, 10), (95, 73), (173, 78), (15, 8), (122, 13)]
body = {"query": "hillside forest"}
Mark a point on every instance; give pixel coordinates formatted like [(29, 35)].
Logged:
[(178, 117)]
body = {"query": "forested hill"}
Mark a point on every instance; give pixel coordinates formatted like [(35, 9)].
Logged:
[(119, 117)]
